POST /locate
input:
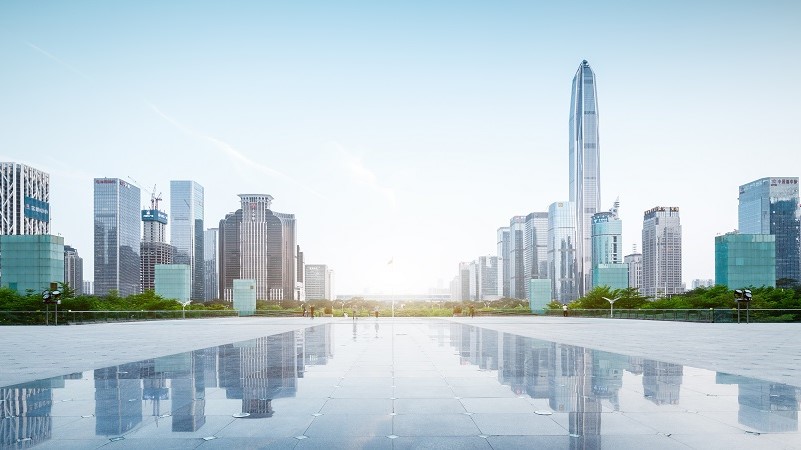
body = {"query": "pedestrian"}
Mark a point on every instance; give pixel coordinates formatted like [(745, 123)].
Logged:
[(354, 313), (564, 310), (311, 311), (472, 311), (304, 311)]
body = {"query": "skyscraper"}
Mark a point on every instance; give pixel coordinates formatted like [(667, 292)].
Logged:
[(608, 268), (562, 251), (186, 233), (318, 282), (771, 206), (517, 275), (487, 278), (259, 244), (634, 261), (154, 249), (229, 254), (585, 168), (535, 248), (116, 237), (211, 269), (24, 200), (503, 258), (661, 252), (73, 269)]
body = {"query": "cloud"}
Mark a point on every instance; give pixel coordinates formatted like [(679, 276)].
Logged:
[(361, 174), (231, 152), (59, 61)]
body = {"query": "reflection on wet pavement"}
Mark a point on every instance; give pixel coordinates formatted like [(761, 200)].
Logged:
[(403, 384)]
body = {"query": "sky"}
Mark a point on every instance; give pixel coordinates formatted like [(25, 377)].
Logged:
[(402, 131)]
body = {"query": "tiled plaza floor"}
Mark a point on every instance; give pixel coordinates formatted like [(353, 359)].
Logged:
[(485, 383)]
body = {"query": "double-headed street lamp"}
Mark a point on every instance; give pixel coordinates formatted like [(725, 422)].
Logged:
[(611, 305), (742, 296)]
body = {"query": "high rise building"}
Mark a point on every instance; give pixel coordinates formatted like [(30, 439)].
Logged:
[(300, 292), (73, 269), (463, 282), (211, 269), (266, 250), (535, 248), (517, 273), (229, 254), (661, 252), (319, 282), (634, 262), (24, 200), (504, 246), (585, 168), (116, 237), (771, 206), (154, 249), (745, 260), (488, 286), (562, 251), (608, 268), (186, 233)]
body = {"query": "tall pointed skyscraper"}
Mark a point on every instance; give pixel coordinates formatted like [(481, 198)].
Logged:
[(585, 169)]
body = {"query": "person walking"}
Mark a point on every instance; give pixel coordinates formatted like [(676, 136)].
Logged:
[(564, 310)]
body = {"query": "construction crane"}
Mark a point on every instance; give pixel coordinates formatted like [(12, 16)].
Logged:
[(154, 198)]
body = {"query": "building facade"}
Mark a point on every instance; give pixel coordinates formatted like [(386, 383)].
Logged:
[(504, 246), (116, 237), (154, 249), (517, 272), (745, 260), (186, 233), (661, 252), (266, 248), (585, 168), (535, 248), (562, 251), (173, 281), (211, 269), (608, 268), (73, 269), (488, 279), (319, 281), (229, 254), (634, 263), (21, 271), (771, 206), (24, 200)]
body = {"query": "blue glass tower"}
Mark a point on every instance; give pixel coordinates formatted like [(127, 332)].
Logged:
[(770, 206), (585, 168), (186, 233), (117, 235)]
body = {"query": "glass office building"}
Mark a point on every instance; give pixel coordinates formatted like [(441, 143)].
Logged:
[(116, 237), (211, 268), (771, 206), (661, 252), (562, 251), (517, 268), (244, 296), (539, 295), (173, 281), (31, 262), (503, 256), (535, 247), (585, 167), (608, 268), (186, 231), (745, 260)]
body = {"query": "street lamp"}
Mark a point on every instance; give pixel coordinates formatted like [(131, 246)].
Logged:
[(183, 307), (611, 305), (742, 296)]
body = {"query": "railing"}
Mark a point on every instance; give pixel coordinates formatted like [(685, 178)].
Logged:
[(69, 317), (712, 315)]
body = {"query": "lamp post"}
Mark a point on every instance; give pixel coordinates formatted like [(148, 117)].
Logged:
[(48, 297), (183, 308), (611, 305), (742, 296)]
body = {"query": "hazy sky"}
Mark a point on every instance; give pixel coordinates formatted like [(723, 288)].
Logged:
[(409, 130)]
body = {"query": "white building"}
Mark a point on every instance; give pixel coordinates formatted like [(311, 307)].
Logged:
[(661, 252), (24, 200)]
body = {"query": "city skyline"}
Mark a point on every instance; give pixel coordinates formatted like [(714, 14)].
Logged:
[(376, 125)]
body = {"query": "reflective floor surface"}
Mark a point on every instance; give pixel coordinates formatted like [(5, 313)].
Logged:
[(398, 385)]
